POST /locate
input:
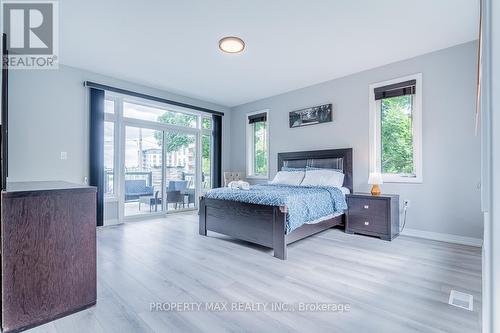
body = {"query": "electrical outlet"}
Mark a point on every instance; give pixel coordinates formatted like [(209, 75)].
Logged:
[(406, 203), (64, 155)]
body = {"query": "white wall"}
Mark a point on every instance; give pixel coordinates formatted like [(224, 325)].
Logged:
[(495, 57), (448, 201), (491, 169), (49, 113)]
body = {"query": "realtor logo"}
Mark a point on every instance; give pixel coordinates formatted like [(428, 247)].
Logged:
[(32, 34)]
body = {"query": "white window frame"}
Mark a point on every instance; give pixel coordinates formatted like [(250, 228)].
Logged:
[(114, 119), (209, 132), (121, 122), (375, 131), (250, 153)]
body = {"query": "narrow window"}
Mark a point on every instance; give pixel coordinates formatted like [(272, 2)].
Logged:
[(396, 130), (258, 145)]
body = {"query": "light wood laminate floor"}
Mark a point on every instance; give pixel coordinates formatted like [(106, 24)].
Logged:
[(398, 286)]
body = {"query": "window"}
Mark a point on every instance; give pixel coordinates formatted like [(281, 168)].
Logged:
[(144, 176), (206, 123), (109, 106), (139, 111), (206, 161), (257, 145), (158, 157), (396, 129)]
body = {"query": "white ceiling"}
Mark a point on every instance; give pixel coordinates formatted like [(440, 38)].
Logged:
[(173, 45)]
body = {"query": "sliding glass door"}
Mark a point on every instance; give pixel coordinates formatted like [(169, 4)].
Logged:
[(144, 182), (159, 158), (181, 170), (161, 168)]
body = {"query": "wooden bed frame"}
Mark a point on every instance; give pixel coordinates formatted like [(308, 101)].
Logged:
[(266, 225)]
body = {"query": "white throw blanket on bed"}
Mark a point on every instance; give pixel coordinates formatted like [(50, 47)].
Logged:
[(239, 184)]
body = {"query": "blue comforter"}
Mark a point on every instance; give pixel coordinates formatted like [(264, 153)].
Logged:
[(305, 204)]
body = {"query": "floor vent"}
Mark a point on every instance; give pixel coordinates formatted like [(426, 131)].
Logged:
[(461, 300)]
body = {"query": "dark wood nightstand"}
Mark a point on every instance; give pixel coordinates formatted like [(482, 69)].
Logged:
[(373, 215)]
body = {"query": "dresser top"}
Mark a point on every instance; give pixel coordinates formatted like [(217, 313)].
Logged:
[(27, 187), (370, 196)]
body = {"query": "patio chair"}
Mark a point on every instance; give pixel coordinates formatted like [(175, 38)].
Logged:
[(175, 192), (136, 188), (151, 201)]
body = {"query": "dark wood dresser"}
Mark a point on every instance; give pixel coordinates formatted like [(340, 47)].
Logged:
[(48, 252), (373, 215)]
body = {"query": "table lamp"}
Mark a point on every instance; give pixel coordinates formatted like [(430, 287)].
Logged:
[(375, 179)]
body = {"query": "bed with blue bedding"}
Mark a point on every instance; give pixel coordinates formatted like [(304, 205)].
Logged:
[(302, 204), (277, 215)]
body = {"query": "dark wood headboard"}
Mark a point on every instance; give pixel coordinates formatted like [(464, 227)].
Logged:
[(301, 159)]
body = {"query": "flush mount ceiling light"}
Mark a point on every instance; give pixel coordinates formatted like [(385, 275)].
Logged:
[(231, 44)]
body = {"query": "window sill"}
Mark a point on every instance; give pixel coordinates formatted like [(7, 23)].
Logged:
[(258, 177), (387, 178)]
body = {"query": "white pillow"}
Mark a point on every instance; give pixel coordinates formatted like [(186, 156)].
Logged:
[(288, 178), (323, 177)]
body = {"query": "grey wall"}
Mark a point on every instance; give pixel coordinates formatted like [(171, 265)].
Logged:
[(491, 267), (448, 201), (48, 112)]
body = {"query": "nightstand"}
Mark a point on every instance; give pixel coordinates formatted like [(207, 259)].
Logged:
[(373, 215)]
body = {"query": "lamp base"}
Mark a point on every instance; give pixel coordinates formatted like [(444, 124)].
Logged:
[(376, 190)]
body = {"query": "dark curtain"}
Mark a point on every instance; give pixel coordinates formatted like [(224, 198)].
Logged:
[(4, 140), (396, 90), (257, 118), (96, 150), (217, 154)]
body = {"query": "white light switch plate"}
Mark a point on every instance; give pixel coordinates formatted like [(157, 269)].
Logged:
[(64, 155)]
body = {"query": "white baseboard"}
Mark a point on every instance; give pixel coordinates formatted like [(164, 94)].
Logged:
[(449, 238), (108, 223)]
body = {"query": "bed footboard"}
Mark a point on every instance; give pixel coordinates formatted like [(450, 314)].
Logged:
[(259, 224)]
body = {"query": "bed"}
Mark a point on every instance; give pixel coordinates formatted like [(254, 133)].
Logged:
[(274, 219)]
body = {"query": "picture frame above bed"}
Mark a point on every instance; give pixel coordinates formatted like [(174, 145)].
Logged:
[(311, 116)]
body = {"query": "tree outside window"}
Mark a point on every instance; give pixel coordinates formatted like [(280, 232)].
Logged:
[(175, 141), (397, 135), (260, 148)]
